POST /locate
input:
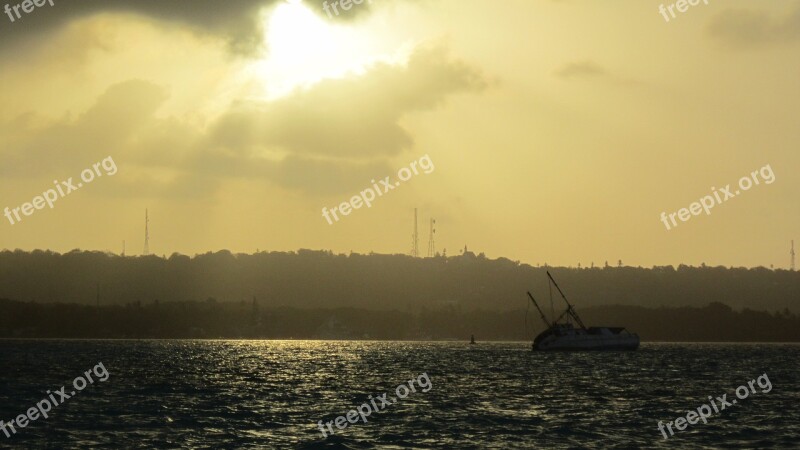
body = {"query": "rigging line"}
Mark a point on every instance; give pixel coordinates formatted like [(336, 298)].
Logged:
[(527, 335), (552, 308)]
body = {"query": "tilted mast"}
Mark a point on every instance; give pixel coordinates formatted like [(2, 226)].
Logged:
[(540, 310), (570, 309)]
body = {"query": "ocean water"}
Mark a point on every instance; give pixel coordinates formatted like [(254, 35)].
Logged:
[(271, 394)]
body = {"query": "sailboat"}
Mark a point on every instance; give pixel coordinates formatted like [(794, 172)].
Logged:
[(564, 336), (472, 340)]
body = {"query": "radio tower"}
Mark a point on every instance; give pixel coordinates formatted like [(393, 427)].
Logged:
[(431, 244), (792, 253), (146, 234), (414, 238)]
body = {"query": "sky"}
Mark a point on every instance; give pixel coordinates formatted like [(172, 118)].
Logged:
[(551, 131)]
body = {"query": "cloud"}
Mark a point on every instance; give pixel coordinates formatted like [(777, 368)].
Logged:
[(745, 28), (236, 20), (583, 69), (33, 145), (338, 13), (181, 187), (325, 177), (349, 117), (109, 122), (590, 70), (338, 133), (330, 138)]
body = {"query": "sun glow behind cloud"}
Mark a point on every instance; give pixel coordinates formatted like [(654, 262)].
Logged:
[(304, 48)]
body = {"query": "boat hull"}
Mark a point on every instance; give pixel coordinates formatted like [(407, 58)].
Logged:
[(588, 348), (564, 336), (588, 343)]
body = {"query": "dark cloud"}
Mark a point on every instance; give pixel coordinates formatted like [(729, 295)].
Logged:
[(744, 28), (355, 11), (237, 20)]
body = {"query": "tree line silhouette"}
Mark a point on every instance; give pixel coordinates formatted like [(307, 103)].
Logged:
[(232, 320), (321, 279)]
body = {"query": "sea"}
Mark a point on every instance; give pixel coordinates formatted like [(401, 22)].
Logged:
[(241, 394)]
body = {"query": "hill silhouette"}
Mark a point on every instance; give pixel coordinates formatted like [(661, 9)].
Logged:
[(321, 279)]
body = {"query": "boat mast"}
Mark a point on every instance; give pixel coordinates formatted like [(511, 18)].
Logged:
[(552, 308), (540, 310), (570, 309)]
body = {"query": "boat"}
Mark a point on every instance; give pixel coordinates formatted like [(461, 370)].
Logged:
[(472, 340), (562, 335)]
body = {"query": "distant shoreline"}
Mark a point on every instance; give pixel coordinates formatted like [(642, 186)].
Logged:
[(715, 322), (526, 343)]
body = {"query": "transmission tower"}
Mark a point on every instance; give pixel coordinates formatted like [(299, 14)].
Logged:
[(792, 253), (146, 234), (415, 238), (431, 243)]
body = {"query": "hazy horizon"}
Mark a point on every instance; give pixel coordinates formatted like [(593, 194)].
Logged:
[(560, 137), (460, 252), (285, 165)]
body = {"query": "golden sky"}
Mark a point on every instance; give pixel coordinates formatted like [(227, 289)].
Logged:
[(559, 130)]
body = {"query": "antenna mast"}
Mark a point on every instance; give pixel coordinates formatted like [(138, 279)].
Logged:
[(414, 238), (792, 253), (146, 234), (431, 244)]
